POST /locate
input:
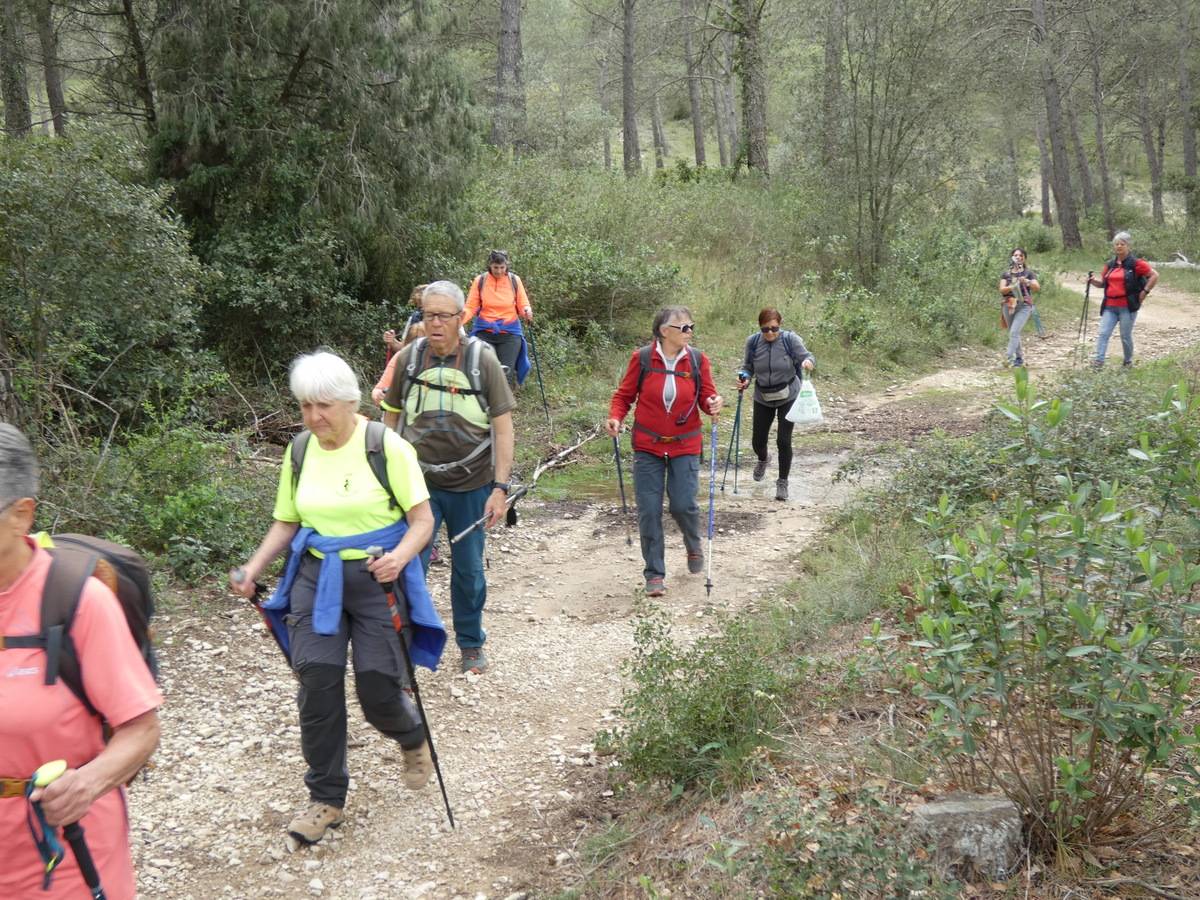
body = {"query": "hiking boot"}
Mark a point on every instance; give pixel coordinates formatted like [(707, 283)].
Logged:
[(695, 563), (309, 827), (655, 587), (418, 767), (760, 468), (781, 489), (473, 660)]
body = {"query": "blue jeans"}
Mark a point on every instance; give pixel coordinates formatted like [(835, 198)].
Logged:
[(468, 587), (1108, 321), (1016, 321), (682, 476)]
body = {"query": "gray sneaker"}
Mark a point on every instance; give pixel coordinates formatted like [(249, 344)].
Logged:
[(473, 660), (760, 468), (310, 826), (781, 489)]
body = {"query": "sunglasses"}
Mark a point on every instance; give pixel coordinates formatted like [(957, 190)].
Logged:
[(686, 329), (769, 329)]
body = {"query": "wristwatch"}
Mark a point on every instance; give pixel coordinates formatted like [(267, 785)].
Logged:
[(502, 485)]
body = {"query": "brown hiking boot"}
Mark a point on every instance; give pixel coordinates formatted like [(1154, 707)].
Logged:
[(418, 767), (310, 825)]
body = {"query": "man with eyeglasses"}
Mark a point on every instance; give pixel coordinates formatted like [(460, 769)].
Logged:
[(451, 401), (497, 301)]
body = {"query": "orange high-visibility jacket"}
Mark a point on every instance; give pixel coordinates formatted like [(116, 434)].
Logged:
[(498, 303)]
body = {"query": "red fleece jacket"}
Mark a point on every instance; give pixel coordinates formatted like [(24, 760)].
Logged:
[(650, 413)]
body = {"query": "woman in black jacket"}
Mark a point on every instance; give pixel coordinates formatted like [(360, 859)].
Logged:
[(776, 360)]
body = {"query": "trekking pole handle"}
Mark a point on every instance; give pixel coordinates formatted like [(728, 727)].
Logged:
[(238, 575)]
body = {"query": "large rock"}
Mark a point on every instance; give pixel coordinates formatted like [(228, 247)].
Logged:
[(971, 834)]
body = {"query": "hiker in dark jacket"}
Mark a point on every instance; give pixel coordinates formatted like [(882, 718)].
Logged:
[(1127, 282), (671, 382), (332, 592), (1018, 284), (776, 360)]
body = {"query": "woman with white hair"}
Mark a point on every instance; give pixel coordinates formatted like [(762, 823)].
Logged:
[(355, 487), (1127, 282)]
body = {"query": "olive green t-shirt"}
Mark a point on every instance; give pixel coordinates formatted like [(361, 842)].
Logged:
[(338, 494), (445, 426)]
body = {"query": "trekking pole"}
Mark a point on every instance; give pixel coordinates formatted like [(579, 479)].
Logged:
[(555, 460), (712, 495), (398, 624), (1081, 336), (733, 439), (621, 484), (538, 368), (737, 452), (238, 575), (49, 846)]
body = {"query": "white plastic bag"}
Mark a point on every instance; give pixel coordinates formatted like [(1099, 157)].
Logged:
[(806, 408)]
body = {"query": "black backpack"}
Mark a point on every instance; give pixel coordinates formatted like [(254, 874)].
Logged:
[(787, 345), (76, 558), (1134, 283)]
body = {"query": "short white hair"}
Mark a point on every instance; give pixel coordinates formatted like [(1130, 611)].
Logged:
[(447, 289), (1123, 236), (18, 466), (323, 377)]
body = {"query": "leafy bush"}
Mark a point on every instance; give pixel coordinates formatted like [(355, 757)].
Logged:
[(181, 494), (98, 287), (1055, 643), (845, 846), (694, 714), (1025, 232)]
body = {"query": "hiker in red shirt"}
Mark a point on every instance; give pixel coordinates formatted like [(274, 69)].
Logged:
[(671, 382), (40, 723), (1127, 282), (497, 302)]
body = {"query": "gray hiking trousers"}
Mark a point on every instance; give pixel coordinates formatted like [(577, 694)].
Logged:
[(319, 661)]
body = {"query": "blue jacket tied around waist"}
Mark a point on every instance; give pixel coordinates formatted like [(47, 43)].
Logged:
[(514, 327), (428, 632)]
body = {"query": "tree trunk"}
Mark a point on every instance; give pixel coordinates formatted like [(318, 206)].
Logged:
[(508, 118), (831, 95), (1043, 168), (660, 136), (695, 100), (1064, 199), (1153, 156), (729, 101), (1110, 226), (602, 93), (1187, 113), (14, 88), (141, 80), (1081, 160), (1014, 180), (632, 153), (719, 120), (48, 39), (754, 83)]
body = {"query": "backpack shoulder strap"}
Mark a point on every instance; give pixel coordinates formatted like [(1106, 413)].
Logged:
[(479, 283), (377, 460), (694, 356), (644, 363), (755, 340), (474, 374), (296, 455), (512, 277), (69, 572)]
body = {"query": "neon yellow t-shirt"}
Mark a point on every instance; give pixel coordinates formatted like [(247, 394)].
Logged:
[(339, 495)]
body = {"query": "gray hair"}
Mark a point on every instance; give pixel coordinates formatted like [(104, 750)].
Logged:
[(323, 377), (667, 313), (1123, 236), (447, 289), (18, 465)]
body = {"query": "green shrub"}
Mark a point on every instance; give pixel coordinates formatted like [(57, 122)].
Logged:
[(1055, 644), (98, 287), (694, 714)]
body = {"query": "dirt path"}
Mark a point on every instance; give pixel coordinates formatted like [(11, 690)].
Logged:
[(515, 744)]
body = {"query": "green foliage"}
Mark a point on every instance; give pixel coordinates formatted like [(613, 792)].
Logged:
[(180, 494), (816, 850), (693, 715), (1054, 648), (98, 289), (1025, 232)]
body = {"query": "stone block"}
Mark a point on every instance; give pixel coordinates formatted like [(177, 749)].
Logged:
[(971, 834)]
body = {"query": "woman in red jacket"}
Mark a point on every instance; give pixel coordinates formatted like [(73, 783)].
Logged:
[(671, 382)]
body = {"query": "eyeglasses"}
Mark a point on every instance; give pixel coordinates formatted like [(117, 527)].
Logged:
[(438, 317), (686, 329), (769, 329)]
